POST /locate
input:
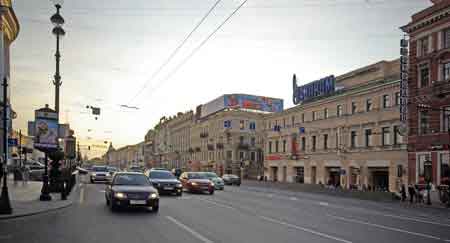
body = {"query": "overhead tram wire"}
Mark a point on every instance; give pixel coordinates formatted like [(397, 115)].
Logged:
[(175, 51), (184, 61)]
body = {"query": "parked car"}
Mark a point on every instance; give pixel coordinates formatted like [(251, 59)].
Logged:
[(230, 179), (196, 182), (218, 182), (131, 189), (36, 170), (165, 182), (99, 173)]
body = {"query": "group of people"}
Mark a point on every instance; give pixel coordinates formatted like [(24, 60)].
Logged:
[(415, 194)]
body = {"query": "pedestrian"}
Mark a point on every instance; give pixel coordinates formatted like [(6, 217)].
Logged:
[(25, 173), (403, 192), (411, 192)]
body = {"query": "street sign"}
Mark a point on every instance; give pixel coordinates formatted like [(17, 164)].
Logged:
[(13, 142)]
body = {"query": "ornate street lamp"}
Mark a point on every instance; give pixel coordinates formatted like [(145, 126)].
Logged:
[(428, 169), (58, 31)]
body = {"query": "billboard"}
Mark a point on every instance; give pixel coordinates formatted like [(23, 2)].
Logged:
[(253, 102), (314, 89), (46, 133)]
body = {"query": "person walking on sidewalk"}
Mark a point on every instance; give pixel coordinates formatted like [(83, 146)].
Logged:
[(412, 193), (25, 173), (403, 192)]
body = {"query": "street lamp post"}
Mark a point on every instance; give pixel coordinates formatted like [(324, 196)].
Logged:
[(5, 204), (59, 32), (428, 169)]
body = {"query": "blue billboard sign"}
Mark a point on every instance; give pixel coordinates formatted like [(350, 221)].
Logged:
[(314, 89), (253, 102)]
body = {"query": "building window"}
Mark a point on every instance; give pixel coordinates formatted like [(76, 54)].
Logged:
[(303, 143), (368, 136), (269, 126), (325, 113), (313, 141), (386, 101), (368, 105), (445, 169), (336, 141), (424, 46), (241, 155), (445, 119), (424, 75), (252, 156), (354, 108), (303, 117), (446, 38), (325, 141), (270, 147), (284, 122), (386, 135), (314, 115), (241, 139), (252, 126), (424, 122), (339, 110), (276, 146), (230, 155), (293, 121), (398, 138), (446, 71), (284, 146), (242, 124), (421, 165), (397, 98), (253, 141), (353, 139)]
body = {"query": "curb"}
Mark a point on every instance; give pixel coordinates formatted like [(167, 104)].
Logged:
[(5, 217)]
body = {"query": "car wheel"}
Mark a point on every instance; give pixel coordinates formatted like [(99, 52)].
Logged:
[(179, 194), (112, 206), (107, 202), (92, 181), (211, 192)]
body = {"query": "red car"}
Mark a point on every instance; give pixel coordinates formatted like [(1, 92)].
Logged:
[(196, 182)]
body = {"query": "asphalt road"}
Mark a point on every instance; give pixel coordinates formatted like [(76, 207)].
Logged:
[(238, 214)]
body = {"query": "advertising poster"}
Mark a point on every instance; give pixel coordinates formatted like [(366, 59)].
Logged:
[(46, 133), (253, 102)]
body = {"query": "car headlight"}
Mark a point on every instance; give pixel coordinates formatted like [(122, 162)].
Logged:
[(212, 183), (153, 195), (93, 174), (179, 185), (194, 183), (120, 195)]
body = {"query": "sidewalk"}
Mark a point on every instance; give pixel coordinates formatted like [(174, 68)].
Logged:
[(318, 189), (25, 200)]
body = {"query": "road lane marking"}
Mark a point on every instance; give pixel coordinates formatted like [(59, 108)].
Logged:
[(193, 232), (387, 228), (324, 204), (304, 229), (293, 198), (414, 219), (82, 195), (217, 204)]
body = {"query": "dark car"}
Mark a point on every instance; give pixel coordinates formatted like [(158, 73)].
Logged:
[(230, 179), (196, 182), (165, 182), (131, 189), (99, 173)]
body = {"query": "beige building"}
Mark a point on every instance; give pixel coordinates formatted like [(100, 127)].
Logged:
[(227, 141), (346, 138), (126, 156)]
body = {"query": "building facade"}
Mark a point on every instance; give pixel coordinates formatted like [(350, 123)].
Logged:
[(429, 93), (347, 138)]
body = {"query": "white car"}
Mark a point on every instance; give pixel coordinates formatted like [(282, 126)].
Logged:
[(99, 173)]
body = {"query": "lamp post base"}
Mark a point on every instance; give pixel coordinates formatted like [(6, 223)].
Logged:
[(5, 205), (45, 192)]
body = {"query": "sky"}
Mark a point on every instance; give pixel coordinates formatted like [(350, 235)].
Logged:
[(113, 47)]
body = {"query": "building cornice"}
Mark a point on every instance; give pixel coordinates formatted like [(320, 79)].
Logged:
[(438, 16)]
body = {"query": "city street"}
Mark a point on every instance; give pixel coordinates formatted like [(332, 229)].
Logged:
[(238, 214)]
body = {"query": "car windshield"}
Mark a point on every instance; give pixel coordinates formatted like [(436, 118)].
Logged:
[(99, 169), (210, 175), (196, 176), (161, 175), (131, 180)]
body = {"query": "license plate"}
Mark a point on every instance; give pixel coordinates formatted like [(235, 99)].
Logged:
[(168, 188), (138, 202)]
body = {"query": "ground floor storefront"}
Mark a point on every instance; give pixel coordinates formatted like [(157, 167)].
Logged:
[(439, 166), (374, 171)]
